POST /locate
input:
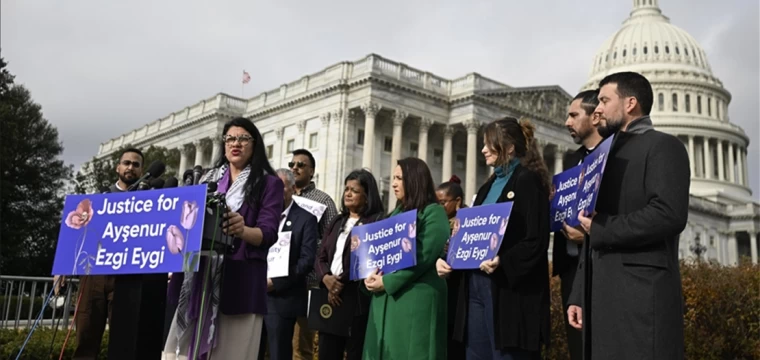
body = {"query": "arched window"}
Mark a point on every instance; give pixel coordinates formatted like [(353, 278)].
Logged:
[(687, 102), (717, 108), (709, 106), (686, 51), (699, 104), (624, 52), (660, 102), (667, 49), (614, 56), (634, 51), (675, 102), (677, 52), (645, 50), (656, 49)]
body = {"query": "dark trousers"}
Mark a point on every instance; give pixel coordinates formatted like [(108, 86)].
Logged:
[(331, 347), (480, 332), (279, 336), (455, 349), (93, 311), (574, 336)]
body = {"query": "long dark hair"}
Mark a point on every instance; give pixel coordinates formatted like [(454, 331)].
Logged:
[(419, 189), (259, 163), (367, 181), (509, 131)]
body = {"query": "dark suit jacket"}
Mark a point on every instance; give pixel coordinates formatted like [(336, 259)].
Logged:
[(628, 280), (561, 261), (327, 252), (290, 297), (520, 285)]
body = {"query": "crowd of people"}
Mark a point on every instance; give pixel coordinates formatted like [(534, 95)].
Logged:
[(619, 270)]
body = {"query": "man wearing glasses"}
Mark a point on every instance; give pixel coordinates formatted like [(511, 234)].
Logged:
[(303, 166), (97, 290)]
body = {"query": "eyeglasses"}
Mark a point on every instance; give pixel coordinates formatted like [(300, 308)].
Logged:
[(135, 164), (241, 139), (299, 164)]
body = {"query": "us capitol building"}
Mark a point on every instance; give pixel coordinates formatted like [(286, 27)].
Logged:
[(372, 111)]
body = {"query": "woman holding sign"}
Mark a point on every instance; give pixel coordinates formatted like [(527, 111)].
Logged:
[(221, 307), (502, 309), (361, 205), (407, 318)]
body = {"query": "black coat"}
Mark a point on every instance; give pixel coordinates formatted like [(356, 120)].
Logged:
[(560, 259), (290, 297), (628, 281), (520, 285)]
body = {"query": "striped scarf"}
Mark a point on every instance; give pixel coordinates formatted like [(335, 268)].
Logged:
[(191, 292)]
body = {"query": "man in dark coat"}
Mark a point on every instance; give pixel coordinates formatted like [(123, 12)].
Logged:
[(627, 294), (582, 123)]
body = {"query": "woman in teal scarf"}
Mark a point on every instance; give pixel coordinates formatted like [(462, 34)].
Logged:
[(407, 316)]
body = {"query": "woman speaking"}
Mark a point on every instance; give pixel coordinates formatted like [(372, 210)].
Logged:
[(503, 308), (233, 299)]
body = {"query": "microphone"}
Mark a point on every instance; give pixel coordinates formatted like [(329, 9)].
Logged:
[(171, 182), (187, 177), (197, 172), (156, 183), (155, 170)]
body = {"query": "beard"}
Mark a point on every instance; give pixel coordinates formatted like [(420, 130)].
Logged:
[(610, 127), (128, 181)]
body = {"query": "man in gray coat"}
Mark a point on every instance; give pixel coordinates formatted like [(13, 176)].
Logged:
[(627, 295)]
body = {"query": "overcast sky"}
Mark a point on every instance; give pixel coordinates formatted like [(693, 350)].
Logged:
[(100, 69)]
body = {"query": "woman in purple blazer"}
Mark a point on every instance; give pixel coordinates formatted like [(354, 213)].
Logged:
[(235, 302)]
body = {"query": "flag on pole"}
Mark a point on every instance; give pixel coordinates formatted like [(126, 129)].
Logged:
[(246, 77)]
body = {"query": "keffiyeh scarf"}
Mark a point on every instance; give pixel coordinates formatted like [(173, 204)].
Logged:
[(192, 291)]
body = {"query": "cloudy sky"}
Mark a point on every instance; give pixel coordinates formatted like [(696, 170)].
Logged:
[(100, 69)]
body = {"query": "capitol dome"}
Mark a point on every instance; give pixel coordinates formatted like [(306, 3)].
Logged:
[(690, 102)]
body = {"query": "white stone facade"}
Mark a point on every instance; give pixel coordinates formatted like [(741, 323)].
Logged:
[(398, 111)]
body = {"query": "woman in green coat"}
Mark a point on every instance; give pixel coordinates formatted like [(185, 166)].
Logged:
[(407, 316)]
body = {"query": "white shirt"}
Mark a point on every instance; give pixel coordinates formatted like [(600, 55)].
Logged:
[(285, 215), (336, 267)]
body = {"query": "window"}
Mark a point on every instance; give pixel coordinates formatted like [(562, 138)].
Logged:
[(413, 148), (667, 49), (291, 145), (646, 50), (699, 104), (687, 103), (438, 156), (313, 137), (709, 106), (634, 51), (686, 51), (388, 144), (717, 108), (712, 241), (614, 56), (656, 49), (270, 151), (660, 102), (360, 137), (461, 161), (677, 52), (624, 52), (675, 102)]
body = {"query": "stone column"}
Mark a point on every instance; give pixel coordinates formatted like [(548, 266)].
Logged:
[(300, 142), (198, 144), (692, 165), (370, 111), (183, 159), (558, 157), (422, 146), (323, 145), (448, 133), (215, 152), (398, 126), (721, 167), (740, 166), (277, 148), (744, 167), (753, 246), (733, 250), (731, 163), (707, 158), (472, 144)]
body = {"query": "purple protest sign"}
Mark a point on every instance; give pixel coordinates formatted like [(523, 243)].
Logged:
[(388, 245), (563, 205), (576, 189), (477, 235)]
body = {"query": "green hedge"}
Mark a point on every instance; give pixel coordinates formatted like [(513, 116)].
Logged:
[(722, 319)]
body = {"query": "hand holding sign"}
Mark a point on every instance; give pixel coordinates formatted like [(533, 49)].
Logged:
[(374, 282), (489, 266)]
